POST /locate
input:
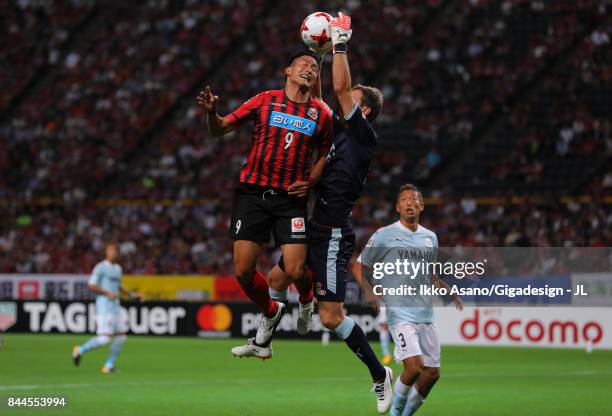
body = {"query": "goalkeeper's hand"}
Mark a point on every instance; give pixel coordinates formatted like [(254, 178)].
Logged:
[(340, 32)]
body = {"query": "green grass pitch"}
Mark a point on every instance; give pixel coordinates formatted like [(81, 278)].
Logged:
[(187, 376)]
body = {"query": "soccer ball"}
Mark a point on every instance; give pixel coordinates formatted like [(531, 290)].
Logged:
[(315, 32)]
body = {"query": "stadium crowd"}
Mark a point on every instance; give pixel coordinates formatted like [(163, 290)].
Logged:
[(85, 123), (178, 239), (32, 33), (257, 66), (555, 137), (511, 42), (121, 74)]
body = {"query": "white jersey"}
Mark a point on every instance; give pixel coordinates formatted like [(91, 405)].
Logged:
[(107, 275), (397, 236)]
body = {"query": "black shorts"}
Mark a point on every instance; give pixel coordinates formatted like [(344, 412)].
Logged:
[(259, 212), (329, 253)]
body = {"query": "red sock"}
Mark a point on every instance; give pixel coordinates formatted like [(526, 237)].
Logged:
[(257, 291), (304, 287)]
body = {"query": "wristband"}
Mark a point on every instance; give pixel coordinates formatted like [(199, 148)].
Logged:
[(339, 48)]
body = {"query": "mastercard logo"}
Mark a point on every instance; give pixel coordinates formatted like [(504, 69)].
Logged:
[(214, 317)]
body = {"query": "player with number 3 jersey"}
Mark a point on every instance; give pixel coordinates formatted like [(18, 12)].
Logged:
[(410, 318)]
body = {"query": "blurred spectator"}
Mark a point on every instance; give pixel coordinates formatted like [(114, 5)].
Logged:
[(448, 70)]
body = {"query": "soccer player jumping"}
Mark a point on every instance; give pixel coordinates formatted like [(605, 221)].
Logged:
[(331, 237), (105, 281), (289, 126), (414, 333)]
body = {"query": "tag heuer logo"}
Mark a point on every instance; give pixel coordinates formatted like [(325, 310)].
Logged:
[(8, 315)]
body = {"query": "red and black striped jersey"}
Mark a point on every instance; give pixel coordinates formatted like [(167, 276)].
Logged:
[(284, 137)]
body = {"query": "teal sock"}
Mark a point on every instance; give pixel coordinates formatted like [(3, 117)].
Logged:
[(115, 350), (413, 402), (93, 343), (385, 342), (398, 405), (400, 397)]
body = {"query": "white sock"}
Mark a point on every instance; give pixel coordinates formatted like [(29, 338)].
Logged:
[(415, 400), (95, 342), (400, 388), (115, 350), (384, 342)]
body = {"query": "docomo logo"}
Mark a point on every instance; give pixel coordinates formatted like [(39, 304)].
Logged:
[(214, 318), (536, 331)]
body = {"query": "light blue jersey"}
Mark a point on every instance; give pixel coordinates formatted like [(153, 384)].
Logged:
[(386, 245), (107, 275)]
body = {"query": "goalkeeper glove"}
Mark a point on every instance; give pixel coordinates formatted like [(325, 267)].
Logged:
[(341, 32)]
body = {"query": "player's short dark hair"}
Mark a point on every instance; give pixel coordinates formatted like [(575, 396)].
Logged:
[(302, 52), (409, 187), (373, 98)]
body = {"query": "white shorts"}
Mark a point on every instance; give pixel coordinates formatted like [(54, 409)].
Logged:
[(413, 339), (111, 324)]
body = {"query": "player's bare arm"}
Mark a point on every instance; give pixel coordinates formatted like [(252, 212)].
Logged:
[(370, 297), (341, 33), (301, 188), (131, 294), (100, 291), (439, 283), (217, 125), (317, 170)]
